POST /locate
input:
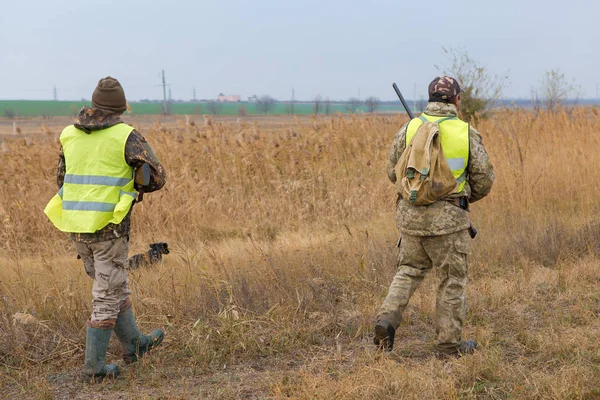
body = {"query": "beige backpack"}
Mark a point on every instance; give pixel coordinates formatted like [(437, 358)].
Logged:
[(424, 176)]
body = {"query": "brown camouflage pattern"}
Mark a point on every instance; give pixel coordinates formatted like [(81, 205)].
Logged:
[(442, 217), (444, 88), (96, 119), (137, 152), (418, 255)]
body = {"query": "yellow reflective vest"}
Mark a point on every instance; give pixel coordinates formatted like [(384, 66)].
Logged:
[(98, 186), (454, 138)]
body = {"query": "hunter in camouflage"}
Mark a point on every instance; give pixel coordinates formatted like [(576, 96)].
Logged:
[(105, 252), (436, 236)]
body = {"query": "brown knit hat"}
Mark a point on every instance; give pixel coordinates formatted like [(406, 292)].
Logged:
[(109, 95)]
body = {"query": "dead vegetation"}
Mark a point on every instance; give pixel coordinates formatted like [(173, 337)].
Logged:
[(283, 248)]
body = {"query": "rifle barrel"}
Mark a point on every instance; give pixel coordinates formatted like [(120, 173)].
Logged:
[(406, 107)]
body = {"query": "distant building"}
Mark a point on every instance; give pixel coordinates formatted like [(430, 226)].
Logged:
[(234, 98), (252, 99)]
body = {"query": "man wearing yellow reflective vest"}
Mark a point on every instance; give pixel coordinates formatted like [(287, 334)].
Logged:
[(98, 157), (436, 236)]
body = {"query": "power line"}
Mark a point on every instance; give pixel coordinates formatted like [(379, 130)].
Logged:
[(164, 85)]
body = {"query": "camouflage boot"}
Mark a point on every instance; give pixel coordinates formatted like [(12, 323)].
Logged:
[(134, 343), (384, 335), (96, 344)]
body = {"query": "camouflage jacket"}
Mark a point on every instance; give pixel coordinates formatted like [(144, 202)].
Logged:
[(137, 152), (442, 217)]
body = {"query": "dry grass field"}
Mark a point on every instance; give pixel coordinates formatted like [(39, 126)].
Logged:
[(283, 243)]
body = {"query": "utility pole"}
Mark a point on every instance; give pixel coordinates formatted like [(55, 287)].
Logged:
[(415, 97), (194, 93), (358, 94), (164, 85), (56, 96), (597, 93), (293, 101)]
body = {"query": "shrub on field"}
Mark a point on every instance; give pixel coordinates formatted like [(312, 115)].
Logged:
[(214, 107), (372, 103), (482, 89), (554, 89), (10, 113), (353, 104), (265, 103)]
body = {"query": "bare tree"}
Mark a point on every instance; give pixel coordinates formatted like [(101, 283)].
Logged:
[(482, 90), (317, 102), (214, 107), (536, 103), (327, 105), (265, 103), (10, 113), (353, 104), (555, 89), (372, 103)]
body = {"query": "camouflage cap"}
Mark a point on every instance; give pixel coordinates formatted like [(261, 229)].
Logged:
[(443, 88)]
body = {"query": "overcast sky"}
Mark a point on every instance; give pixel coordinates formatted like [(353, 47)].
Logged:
[(329, 47)]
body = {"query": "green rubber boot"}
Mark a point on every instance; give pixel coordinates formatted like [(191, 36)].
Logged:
[(135, 344), (96, 344)]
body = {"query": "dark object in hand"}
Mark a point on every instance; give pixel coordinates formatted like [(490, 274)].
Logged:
[(141, 179)]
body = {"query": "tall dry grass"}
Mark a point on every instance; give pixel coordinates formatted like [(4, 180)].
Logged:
[(283, 236)]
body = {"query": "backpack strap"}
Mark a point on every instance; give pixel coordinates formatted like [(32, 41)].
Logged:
[(462, 177), (422, 118), (444, 119)]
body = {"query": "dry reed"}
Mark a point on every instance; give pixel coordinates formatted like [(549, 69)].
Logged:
[(283, 243)]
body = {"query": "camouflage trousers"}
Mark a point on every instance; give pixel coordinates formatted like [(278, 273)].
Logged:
[(417, 256), (106, 263)]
